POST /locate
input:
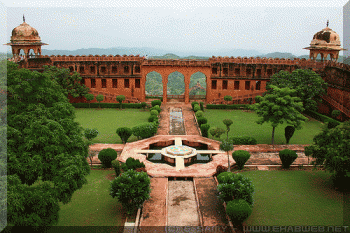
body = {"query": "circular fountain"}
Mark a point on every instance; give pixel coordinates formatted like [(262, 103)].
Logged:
[(171, 153)]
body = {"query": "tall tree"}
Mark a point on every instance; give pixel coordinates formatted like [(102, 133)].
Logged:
[(279, 106), (70, 83), (309, 85), (45, 148), (227, 146), (331, 148)]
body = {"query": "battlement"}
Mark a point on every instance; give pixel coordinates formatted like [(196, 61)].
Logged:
[(93, 58), (254, 60), (177, 62)]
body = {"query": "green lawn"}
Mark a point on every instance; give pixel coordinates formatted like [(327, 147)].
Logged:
[(107, 121), (292, 198), (244, 124), (92, 205)]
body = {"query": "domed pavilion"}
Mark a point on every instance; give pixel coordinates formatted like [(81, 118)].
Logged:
[(325, 42), (26, 38)]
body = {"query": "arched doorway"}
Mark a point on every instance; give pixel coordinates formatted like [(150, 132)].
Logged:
[(154, 86), (198, 86), (176, 86)]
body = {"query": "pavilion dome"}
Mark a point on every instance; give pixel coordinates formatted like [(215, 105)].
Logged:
[(326, 39), (25, 33)]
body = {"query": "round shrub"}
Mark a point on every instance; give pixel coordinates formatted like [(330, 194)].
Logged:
[(124, 133), (145, 130), (132, 164), (201, 121), (335, 113), (204, 129), (241, 157), (201, 104), (154, 112), (152, 118), (332, 124), (117, 167), (238, 210), (156, 102), (131, 189), (235, 186), (90, 133), (244, 140), (199, 113), (196, 108), (106, 156), (193, 104), (287, 157), (156, 108)]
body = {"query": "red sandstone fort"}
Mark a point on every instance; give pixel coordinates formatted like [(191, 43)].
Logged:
[(241, 78)]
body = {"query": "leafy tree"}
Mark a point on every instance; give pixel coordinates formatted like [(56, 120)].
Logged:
[(131, 189), (227, 146), (89, 97), (124, 133), (106, 156), (45, 147), (228, 123), (288, 133), (90, 134), (331, 148), (216, 132), (145, 130), (309, 86), (120, 99), (227, 98), (278, 106), (70, 83), (99, 98)]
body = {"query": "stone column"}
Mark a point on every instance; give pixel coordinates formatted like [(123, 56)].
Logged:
[(187, 86), (165, 84)]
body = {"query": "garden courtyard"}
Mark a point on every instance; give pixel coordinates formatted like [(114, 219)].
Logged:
[(277, 190)]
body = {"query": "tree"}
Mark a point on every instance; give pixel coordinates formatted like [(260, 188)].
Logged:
[(228, 123), (70, 83), (99, 98), (335, 113), (89, 97), (331, 148), (143, 104), (227, 98), (90, 134), (288, 133), (124, 133), (309, 86), (278, 106), (45, 147), (120, 99), (227, 146), (216, 132)]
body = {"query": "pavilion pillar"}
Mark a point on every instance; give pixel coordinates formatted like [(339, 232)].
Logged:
[(187, 86), (165, 84)]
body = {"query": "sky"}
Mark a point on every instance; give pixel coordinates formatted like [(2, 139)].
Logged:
[(181, 25)]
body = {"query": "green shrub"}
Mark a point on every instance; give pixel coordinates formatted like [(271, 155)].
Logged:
[(124, 133), (238, 210), (156, 108), (287, 157), (156, 102), (143, 104), (288, 133), (241, 157), (235, 186), (201, 121), (90, 133), (152, 118), (132, 163), (332, 123), (131, 189), (201, 104), (220, 169), (243, 140), (227, 98), (199, 113), (196, 108), (204, 129), (106, 156), (335, 113), (193, 104), (145, 130), (217, 132), (120, 99), (318, 116), (117, 167), (154, 112)]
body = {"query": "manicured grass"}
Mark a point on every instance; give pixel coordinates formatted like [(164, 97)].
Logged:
[(294, 198), (244, 124), (107, 121), (92, 205)]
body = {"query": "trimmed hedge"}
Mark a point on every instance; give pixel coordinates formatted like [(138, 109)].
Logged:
[(199, 113), (241, 157), (287, 157), (201, 121), (106, 156), (204, 129), (238, 210), (124, 133), (145, 130), (196, 108), (201, 104), (117, 167), (193, 104), (132, 164), (319, 116), (156, 108), (107, 105), (156, 102), (224, 106), (243, 140)]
